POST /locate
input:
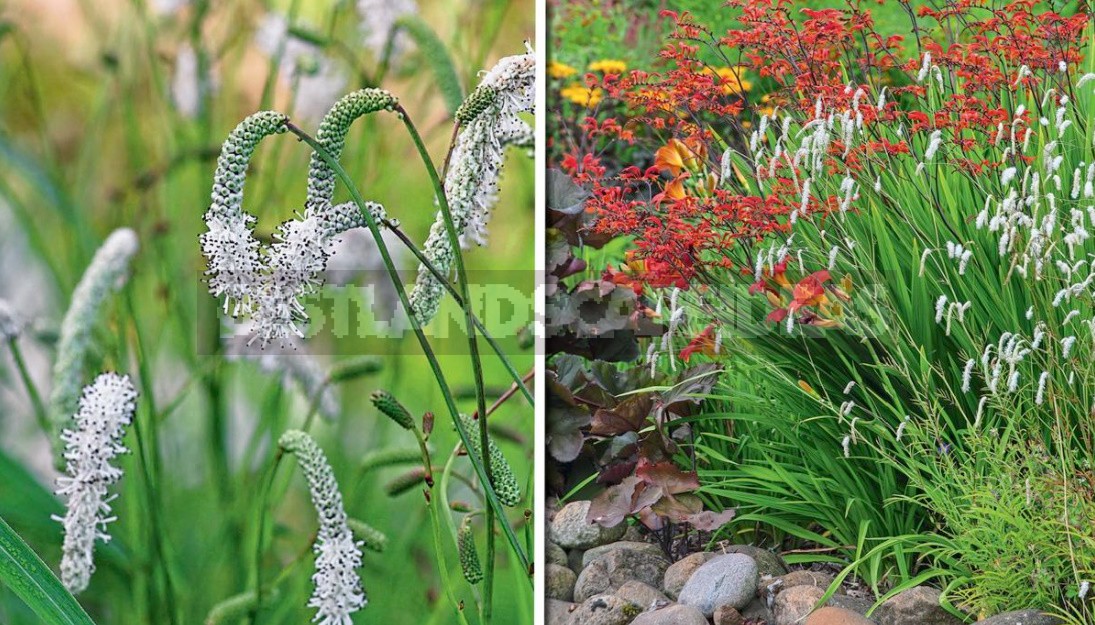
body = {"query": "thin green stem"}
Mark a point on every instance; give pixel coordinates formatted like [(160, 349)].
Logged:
[(264, 501), (32, 390), (435, 366), (473, 347), (149, 454), (506, 363), (434, 502)]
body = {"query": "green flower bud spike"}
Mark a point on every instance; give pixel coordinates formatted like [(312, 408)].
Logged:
[(386, 403), (469, 556), (502, 477)]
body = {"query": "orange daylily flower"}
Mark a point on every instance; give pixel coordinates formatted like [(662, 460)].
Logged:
[(810, 291), (677, 156), (675, 189)]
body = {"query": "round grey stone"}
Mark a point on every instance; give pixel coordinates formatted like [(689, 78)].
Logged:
[(615, 567), (571, 530), (727, 579), (678, 573), (559, 582), (642, 595), (915, 606), (676, 614), (596, 552), (768, 564), (556, 554), (558, 612)]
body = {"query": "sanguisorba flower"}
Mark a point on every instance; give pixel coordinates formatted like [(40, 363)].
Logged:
[(489, 122), (106, 408), (107, 272), (269, 289), (229, 244), (608, 66), (338, 592)]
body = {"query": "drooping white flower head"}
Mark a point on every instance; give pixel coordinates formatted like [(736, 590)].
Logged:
[(490, 122), (268, 283), (106, 273), (11, 325), (338, 592), (378, 17), (106, 408)]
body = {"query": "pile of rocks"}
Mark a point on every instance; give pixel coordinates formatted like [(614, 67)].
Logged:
[(612, 576)]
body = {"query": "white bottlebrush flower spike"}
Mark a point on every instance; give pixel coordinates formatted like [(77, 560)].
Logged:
[(106, 408), (107, 272), (338, 592), (378, 18), (489, 122)]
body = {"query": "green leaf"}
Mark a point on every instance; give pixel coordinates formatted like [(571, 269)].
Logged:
[(435, 53), (27, 576)]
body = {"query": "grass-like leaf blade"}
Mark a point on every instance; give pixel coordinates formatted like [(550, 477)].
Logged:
[(437, 56), (27, 576)]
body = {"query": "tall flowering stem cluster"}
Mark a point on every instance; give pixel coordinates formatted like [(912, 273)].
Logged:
[(268, 285), (92, 443)]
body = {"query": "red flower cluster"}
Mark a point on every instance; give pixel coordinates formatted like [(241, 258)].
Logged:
[(689, 213)]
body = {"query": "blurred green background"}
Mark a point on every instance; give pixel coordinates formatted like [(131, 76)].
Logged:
[(98, 131)]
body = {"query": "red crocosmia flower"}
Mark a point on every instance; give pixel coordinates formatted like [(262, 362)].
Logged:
[(810, 291), (704, 343)]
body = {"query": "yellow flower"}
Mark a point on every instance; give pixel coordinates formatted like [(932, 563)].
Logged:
[(767, 107), (608, 66), (556, 69), (732, 80), (583, 96)]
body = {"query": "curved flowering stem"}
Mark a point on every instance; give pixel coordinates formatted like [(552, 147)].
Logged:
[(321, 178), (488, 123), (435, 366)]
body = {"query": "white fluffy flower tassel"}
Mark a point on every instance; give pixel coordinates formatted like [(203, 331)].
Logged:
[(338, 592), (106, 408)]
